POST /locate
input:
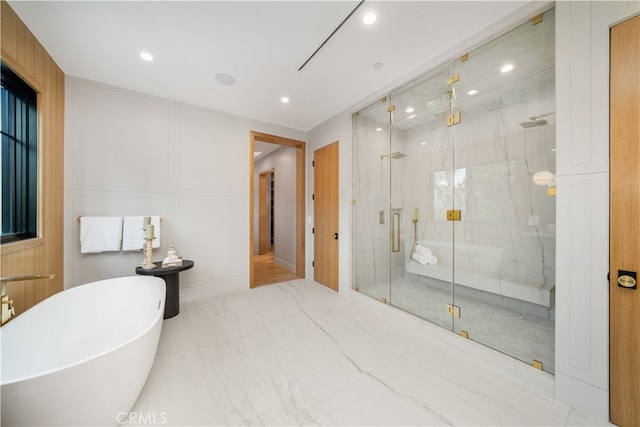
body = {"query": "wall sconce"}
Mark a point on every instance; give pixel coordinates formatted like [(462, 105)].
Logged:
[(546, 178)]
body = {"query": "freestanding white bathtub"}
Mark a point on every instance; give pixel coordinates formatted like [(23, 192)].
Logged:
[(82, 356)]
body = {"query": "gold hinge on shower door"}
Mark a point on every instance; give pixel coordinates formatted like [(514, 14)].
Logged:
[(453, 119), (391, 108), (451, 80), (536, 19), (453, 310), (454, 215)]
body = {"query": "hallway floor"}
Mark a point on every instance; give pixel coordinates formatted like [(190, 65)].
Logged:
[(267, 272), (297, 353)]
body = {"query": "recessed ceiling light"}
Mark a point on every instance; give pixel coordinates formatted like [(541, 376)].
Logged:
[(378, 129), (225, 79), (377, 65), (146, 56), (369, 18), (423, 143), (506, 68), (284, 100), (411, 116), (409, 110), (472, 92)]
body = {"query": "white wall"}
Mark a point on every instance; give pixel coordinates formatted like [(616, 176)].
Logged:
[(133, 154), (582, 295), (283, 162)]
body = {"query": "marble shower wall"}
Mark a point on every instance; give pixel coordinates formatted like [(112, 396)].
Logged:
[(495, 160)]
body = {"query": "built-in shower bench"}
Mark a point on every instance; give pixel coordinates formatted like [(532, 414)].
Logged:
[(478, 267)]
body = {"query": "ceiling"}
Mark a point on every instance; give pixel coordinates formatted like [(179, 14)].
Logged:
[(260, 44)]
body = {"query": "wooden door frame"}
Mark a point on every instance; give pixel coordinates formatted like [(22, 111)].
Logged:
[(300, 194)]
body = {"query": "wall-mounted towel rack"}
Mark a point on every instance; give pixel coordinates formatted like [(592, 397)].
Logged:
[(161, 217)]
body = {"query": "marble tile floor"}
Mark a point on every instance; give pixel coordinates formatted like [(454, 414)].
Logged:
[(297, 353), (525, 336)]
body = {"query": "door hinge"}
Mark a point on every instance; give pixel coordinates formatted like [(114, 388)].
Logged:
[(313, 230), (537, 364), (453, 310), (313, 197), (451, 80), (464, 58), (313, 163), (453, 119), (391, 108), (454, 215), (313, 263)]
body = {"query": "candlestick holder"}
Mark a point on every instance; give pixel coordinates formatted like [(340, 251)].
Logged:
[(148, 255)]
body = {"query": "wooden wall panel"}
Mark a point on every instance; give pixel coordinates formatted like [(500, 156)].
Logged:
[(22, 52)]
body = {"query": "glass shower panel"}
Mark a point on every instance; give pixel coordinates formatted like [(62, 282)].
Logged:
[(372, 219), (421, 191), (504, 252)]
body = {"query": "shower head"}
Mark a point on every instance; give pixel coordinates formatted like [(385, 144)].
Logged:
[(394, 155), (533, 123)]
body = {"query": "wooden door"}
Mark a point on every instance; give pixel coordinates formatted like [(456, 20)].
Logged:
[(325, 210), (624, 299)]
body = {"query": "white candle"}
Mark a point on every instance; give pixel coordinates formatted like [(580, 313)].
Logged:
[(149, 231)]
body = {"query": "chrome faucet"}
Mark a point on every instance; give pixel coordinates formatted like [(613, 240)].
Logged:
[(8, 310)]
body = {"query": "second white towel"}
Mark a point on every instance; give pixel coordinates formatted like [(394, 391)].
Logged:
[(424, 256)]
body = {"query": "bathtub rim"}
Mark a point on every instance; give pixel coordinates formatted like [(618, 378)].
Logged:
[(146, 330)]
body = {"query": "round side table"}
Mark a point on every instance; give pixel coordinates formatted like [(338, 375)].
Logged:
[(171, 276)]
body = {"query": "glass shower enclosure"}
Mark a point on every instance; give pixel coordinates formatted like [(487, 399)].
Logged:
[(454, 185)]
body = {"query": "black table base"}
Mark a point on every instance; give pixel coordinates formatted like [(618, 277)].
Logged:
[(171, 276)]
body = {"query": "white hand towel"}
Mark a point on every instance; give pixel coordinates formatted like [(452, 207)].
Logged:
[(424, 259), (418, 257), (423, 250), (100, 233), (133, 236), (132, 233)]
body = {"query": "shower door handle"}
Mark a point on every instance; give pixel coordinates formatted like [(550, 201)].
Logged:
[(335, 236)]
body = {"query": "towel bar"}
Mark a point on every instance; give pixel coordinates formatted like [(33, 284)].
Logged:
[(161, 217)]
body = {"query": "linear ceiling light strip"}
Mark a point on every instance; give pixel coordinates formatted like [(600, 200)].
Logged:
[(331, 35)]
